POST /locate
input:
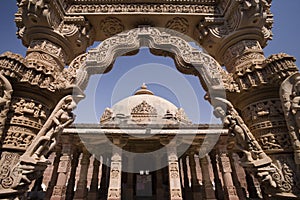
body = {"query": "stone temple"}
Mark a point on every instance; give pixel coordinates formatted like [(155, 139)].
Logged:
[(144, 146)]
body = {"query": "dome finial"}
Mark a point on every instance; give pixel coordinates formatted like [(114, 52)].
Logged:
[(143, 90)]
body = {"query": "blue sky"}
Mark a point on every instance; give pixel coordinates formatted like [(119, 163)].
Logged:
[(159, 73)]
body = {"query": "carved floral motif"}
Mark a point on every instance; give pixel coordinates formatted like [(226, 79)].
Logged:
[(111, 26), (179, 24)]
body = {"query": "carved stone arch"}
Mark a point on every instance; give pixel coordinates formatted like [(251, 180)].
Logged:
[(188, 59)]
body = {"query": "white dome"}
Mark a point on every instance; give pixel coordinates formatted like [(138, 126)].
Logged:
[(144, 108)]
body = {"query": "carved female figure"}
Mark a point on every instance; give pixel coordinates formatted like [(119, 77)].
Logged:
[(295, 103), (47, 137), (243, 139)]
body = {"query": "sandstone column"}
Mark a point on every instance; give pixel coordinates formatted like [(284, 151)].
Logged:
[(196, 188), (81, 189), (64, 168), (71, 181), (208, 187), (114, 189), (174, 176), (94, 182), (229, 188)]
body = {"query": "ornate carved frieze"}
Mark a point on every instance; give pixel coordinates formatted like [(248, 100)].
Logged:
[(243, 53), (145, 1), (34, 72), (262, 109), (122, 8), (272, 70)]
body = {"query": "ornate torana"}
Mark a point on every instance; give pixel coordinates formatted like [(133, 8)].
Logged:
[(256, 97)]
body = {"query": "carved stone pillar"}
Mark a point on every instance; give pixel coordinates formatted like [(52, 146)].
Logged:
[(208, 187), (187, 188), (160, 190), (218, 185), (237, 36), (174, 176), (94, 182), (114, 189), (81, 189), (71, 181), (252, 189), (196, 188), (129, 183), (229, 188), (54, 175), (40, 80), (64, 168), (235, 177), (105, 169)]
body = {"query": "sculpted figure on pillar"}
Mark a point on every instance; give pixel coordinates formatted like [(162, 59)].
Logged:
[(5, 98), (243, 139), (254, 159), (33, 162), (290, 99), (46, 139)]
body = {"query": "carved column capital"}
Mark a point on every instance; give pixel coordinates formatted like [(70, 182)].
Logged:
[(45, 28), (242, 20)]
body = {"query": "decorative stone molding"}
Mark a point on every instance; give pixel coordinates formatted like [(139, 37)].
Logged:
[(145, 8)]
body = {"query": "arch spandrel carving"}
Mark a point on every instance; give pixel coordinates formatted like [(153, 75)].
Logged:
[(188, 60)]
